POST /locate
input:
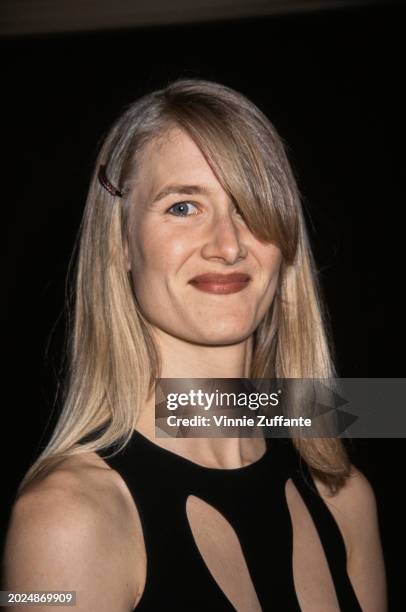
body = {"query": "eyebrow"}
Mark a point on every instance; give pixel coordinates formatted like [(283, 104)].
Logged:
[(180, 189)]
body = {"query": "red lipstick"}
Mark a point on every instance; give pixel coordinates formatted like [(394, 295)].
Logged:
[(221, 283)]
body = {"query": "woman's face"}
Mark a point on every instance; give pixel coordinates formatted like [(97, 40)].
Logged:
[(178, 233)]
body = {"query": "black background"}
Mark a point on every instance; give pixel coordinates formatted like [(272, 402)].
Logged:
[(329, 81)]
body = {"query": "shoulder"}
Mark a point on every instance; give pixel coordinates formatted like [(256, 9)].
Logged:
[(70, 527), (79, 489), (354, 508)]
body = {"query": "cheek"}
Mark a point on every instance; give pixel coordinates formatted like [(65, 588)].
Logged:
[(157, 253), (271, 266), (271, 258)]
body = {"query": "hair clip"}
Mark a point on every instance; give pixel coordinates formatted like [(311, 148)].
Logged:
[(106, 183)]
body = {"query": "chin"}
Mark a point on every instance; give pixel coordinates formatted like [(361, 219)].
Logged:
[(211, 332), (217, 337)]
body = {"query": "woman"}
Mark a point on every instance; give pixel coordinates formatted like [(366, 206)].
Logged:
[(193, 180)]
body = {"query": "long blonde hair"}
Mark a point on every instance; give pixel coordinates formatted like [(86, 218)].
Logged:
[(112, 359)]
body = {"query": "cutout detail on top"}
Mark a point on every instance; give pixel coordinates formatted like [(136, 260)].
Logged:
[(220, 549)]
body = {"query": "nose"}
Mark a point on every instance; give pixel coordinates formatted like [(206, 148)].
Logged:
[(225, 241)]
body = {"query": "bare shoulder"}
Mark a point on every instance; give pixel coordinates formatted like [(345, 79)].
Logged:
[(69, 531), (354, 507)]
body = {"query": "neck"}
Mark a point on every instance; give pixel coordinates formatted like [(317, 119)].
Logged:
[(182, 359)]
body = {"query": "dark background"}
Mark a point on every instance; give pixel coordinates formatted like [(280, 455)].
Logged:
[(330, 81)]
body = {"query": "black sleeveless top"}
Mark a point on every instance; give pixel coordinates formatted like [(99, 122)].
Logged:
[(252, 499)]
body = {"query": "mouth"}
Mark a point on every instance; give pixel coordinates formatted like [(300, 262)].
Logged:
[(221, 283)]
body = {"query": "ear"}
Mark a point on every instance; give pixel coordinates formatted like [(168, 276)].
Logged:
[(127, 256)]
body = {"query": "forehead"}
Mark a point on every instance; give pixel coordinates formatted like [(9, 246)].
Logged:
[(172, 157)]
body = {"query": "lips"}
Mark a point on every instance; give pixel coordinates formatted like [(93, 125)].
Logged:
[(219, 279), (221, 283)]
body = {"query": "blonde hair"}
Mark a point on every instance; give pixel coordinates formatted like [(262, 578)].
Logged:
[(112, 359)]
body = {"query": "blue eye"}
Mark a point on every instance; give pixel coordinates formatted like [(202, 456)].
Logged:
[(181, 205)]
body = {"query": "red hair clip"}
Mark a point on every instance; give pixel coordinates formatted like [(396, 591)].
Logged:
[(106, 183)]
